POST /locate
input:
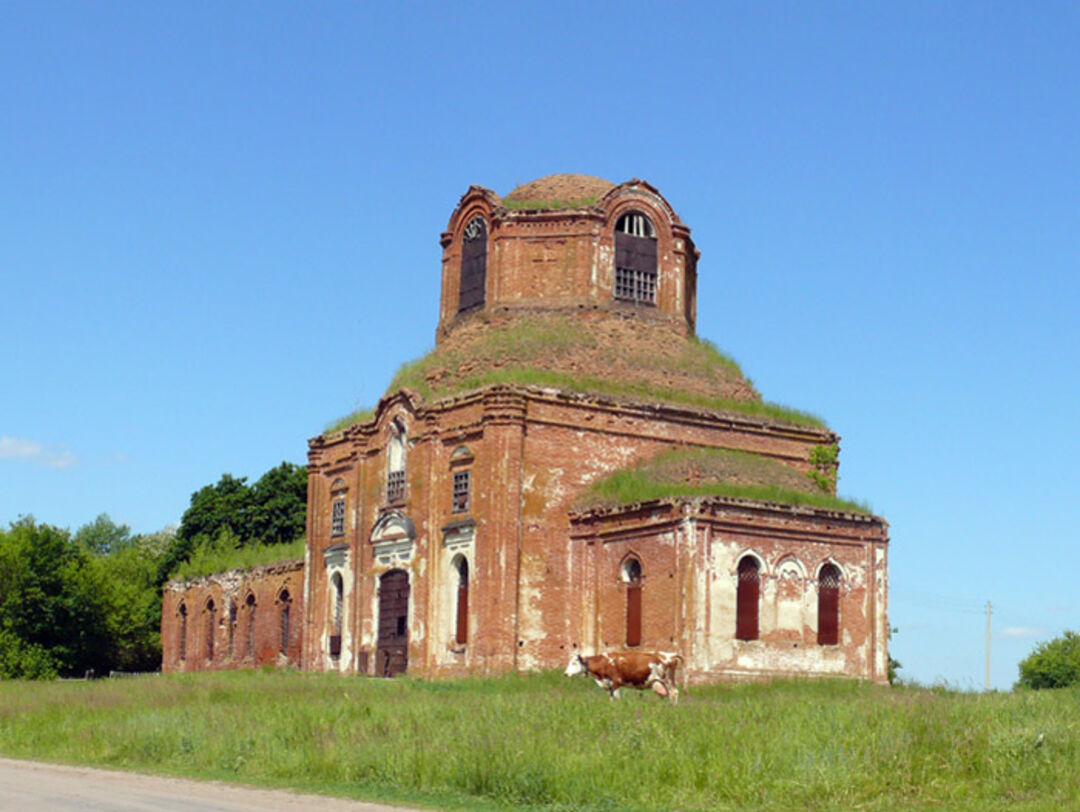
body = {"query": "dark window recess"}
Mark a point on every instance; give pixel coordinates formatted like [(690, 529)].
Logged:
[(391, 655), (461, 637), (211, 615), (461, 491), (286, 604), (635, 260), (183, 632), (473, 265), (828, 606), (335, 645), (395, 486), (251, 626), (746, 608), (633, 603), (337, 518)]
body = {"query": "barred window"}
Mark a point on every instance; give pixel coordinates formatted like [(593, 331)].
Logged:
[(337, 519), (395, 486), (635, 286), (829, 605), (635, 259), (461, 491)]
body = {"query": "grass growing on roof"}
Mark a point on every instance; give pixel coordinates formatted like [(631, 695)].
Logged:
[(513, 354), (546, 742), (343, 422), (534, 205), (218, 556), (712, 472)]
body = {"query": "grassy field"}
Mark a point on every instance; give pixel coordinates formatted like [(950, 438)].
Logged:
[(544, 741)]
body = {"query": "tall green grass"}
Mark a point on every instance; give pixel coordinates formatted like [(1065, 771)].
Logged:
[(212, 558), (543, 741)]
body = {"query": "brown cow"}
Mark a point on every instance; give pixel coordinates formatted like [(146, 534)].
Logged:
[(636, 669)]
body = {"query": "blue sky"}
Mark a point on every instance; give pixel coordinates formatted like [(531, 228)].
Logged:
[(219, 230)]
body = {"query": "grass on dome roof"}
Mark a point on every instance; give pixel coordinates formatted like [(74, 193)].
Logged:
[(704, 472), (536, 205), (506, 355)]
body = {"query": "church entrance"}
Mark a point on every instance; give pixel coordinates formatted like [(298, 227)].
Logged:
[(392, 649)]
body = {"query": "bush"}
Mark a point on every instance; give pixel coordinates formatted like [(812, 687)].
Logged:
[(1054, 664)]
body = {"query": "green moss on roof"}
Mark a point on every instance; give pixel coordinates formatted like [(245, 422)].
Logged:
[(343, 422), (531, 205), (712, 472)]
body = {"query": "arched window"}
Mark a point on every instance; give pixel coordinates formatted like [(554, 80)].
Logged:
[(746, 602), (337, 613), (286, 605), (250, 603), (183, 632), (632, 576), (828, 606), (461, 568), (395, 463), (635, 259), (337, 508), (473, 264), (211, 616), (232, 627)]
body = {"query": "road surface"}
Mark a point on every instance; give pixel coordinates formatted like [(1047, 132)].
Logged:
[(32, 786)]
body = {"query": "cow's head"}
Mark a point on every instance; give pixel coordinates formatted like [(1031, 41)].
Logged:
[(576, 666)]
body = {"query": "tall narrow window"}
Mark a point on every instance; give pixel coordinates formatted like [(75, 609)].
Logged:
[(635, 259), (746, 602), (461, 491), (473, 264), (285, 601), (395, 463), (461, 634), (183, 632), (337, 610), (828, 606), (337, 508), (250, 603), (632, 576), (211, 616), (232, 627)]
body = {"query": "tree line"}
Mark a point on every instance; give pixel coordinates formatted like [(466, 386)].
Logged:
[(90, 600)]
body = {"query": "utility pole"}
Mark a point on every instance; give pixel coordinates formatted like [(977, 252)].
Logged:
[(988, 645)]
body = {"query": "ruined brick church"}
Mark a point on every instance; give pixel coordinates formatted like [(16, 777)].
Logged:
[(569, 469)]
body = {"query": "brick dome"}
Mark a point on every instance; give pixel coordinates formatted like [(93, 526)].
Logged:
[(560, 189)]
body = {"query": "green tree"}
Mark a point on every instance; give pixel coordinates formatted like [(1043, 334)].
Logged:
[(103, 535), (1053, 664), (279, 504)]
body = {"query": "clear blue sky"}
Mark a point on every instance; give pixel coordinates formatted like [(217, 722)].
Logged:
[(219, 230)]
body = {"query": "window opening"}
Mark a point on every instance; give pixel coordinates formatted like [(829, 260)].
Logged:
[(635, 259), (395, 467), (632, 575), (250, 602), (286, 603), (337, 519), (473, 264), (338, 611), (232, 626), (461, 634), (210, 616), (183, 632), (461, 491), (829, 605), (746, 609)]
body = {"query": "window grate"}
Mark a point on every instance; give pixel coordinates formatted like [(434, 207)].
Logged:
[(461, 491), (337, 518), (635, 286), (395, 486)]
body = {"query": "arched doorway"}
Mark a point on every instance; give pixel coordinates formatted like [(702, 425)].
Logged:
[(392, 651)]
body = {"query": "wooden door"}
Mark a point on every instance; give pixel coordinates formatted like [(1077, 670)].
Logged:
[(392, 651)]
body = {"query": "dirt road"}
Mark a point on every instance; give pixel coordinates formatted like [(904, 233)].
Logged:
[(30, 785)]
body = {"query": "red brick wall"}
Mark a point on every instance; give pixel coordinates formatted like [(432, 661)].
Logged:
[(266, 584), (566, 258)]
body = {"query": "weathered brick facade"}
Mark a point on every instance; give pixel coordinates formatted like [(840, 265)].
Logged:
[(443, 536)]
